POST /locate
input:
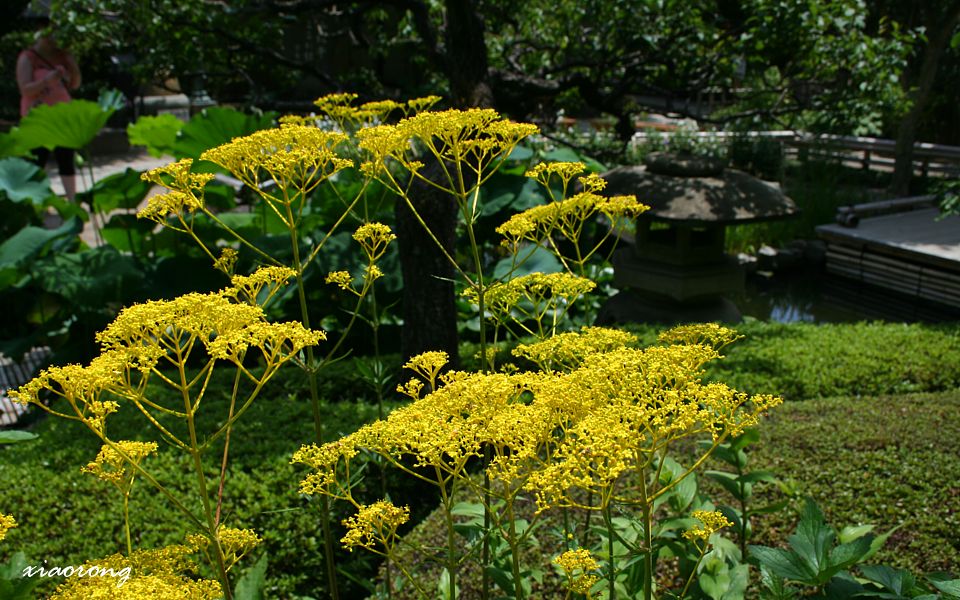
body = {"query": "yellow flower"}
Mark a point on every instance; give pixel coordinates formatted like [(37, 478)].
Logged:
[(428, 365), (226, 262), (713, 521), (250, 286), (7, 522), (296, 157), (374, 524), (111, 464), (706, 334), (374, 238), (567, 350), (580, 567), (340, 278), (160, 574), (234, 543)]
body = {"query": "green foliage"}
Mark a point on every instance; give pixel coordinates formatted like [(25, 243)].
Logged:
[(812, 557), (52, 494), (215, 126), (800, 361), (71, 124), (13, 585), (869, 460), (22, 180), (158, 133)]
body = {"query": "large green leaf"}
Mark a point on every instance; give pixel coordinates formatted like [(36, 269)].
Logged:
[(120, 190), (215, 126), (30, 242), (158, 133), (13, 585), (127, 233), (251, 585), (18, 179), (15, 436), (71, 124), (88, 280)]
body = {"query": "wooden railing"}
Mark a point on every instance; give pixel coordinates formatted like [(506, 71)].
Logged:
[(869, 153)]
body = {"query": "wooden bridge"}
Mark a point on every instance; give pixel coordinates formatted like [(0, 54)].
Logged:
[(901, 245)]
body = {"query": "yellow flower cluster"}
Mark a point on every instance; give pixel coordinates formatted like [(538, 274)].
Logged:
[(428, 366), (234, 543), (296, 157), (374, 524), (249, 287), (713, 521), (470, 140), (566, 351), (705, 334), (111, 464), (170, 330), (566, 217), (339, 108), (161, 574), (185, 195), (7, 522), (580, 568), (533, 297), (373, 239), (616, 409), (340, 278), (226, 262)]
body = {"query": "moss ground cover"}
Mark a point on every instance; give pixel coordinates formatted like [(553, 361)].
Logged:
[(890, 461)]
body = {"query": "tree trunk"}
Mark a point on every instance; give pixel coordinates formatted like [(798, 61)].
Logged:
[(429, 308), (939, 33)]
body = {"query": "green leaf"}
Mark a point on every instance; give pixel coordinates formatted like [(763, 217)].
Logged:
[(852, 532), (812, 540), (71, 124), (215, 126), (18, 180), (727, 480), (951, 587), (30, 242), (158, 133), (89, 280), (467, 509), (897, 581), (251, 585), (540, 260), (783, 563), (119, 190), (127, 233), (756, 476), (15, 436), (13, 586), (501, 577), (846, 555)]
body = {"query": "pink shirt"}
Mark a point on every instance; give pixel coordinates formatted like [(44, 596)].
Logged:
[(53, 93)]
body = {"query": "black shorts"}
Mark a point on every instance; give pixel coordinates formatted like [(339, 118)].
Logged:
[(64, 158)]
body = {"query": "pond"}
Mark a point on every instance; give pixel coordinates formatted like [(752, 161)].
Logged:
[(814, 296)]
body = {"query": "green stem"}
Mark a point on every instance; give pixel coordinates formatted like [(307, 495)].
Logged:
[(126, 522), (693, 573), (611, 563), (315, 405), (647, 539), (515, 552)]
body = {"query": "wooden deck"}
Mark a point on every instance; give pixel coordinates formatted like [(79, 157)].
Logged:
[(909, 252)]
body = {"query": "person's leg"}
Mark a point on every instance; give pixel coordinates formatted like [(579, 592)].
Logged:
[(40, 157), (68, 171)]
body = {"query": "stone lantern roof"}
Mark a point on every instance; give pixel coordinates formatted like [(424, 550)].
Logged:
[(698, 191)]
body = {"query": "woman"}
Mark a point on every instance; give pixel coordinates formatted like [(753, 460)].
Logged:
[(45, 75)]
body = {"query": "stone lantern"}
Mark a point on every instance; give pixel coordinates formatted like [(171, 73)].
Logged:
[(677, 270)]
